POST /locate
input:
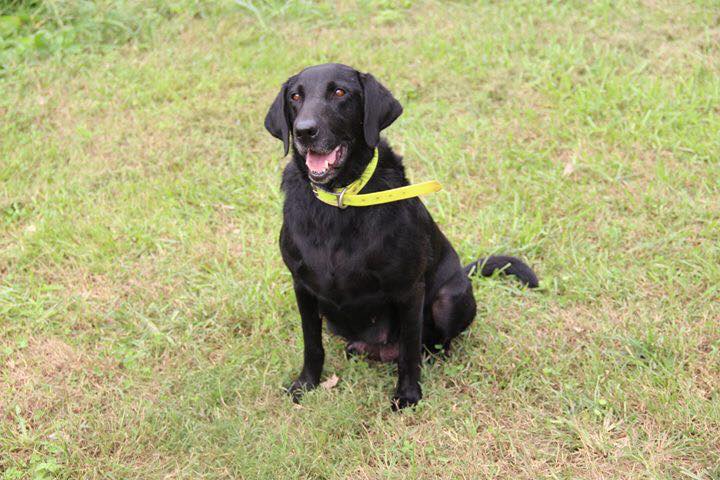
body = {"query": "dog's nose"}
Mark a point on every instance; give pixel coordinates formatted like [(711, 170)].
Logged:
[(306, 129)]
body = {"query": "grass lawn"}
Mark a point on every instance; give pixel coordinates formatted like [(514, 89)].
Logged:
[(147, 322)]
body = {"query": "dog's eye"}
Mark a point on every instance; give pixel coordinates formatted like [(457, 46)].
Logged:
[(339, 92), (295, 97)]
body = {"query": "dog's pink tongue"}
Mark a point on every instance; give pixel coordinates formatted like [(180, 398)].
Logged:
[(318, 162)]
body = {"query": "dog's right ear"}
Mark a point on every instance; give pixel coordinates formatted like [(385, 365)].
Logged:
[(277, 121)]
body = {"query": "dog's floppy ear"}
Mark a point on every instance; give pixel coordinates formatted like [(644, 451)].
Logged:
[(277, 121), (380, 108)]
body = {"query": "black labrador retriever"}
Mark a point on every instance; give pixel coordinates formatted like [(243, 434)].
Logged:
[(384, 276)]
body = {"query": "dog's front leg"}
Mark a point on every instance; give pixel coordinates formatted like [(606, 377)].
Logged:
[(314, 354), (410, 312)]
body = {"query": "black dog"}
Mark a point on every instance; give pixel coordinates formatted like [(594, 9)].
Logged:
[(384, 276)]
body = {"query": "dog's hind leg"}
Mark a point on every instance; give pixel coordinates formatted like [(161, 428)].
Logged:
[(452, 311)]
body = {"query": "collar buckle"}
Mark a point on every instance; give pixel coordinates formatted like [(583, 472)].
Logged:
[(340, 196)]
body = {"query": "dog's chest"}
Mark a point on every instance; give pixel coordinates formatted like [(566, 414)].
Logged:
[(340, 271), (341, 267)]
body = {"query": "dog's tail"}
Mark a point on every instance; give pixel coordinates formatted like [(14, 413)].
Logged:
[(505, 264)]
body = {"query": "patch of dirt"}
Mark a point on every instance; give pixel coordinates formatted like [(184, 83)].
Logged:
[(82, 284), (46, 360), (38, 376), (104, 293)]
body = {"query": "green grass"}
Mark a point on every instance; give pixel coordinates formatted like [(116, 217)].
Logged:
[(147, 323)]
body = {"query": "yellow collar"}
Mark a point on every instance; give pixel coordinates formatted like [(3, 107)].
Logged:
[(350, 196)]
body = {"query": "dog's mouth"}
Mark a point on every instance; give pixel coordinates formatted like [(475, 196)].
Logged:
[(322, 165)]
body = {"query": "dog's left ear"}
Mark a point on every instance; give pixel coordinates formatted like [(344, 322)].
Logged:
[(276, 120), (380, 108)]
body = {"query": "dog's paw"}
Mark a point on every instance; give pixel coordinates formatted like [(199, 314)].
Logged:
[(406, 398), (298, 388)]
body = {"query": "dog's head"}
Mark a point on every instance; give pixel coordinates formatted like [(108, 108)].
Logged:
[(333, 113)]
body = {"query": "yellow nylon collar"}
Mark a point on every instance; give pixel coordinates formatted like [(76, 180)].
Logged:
[(350, 196)]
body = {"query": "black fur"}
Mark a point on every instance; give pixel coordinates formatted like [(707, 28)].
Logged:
[(384, 277)]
